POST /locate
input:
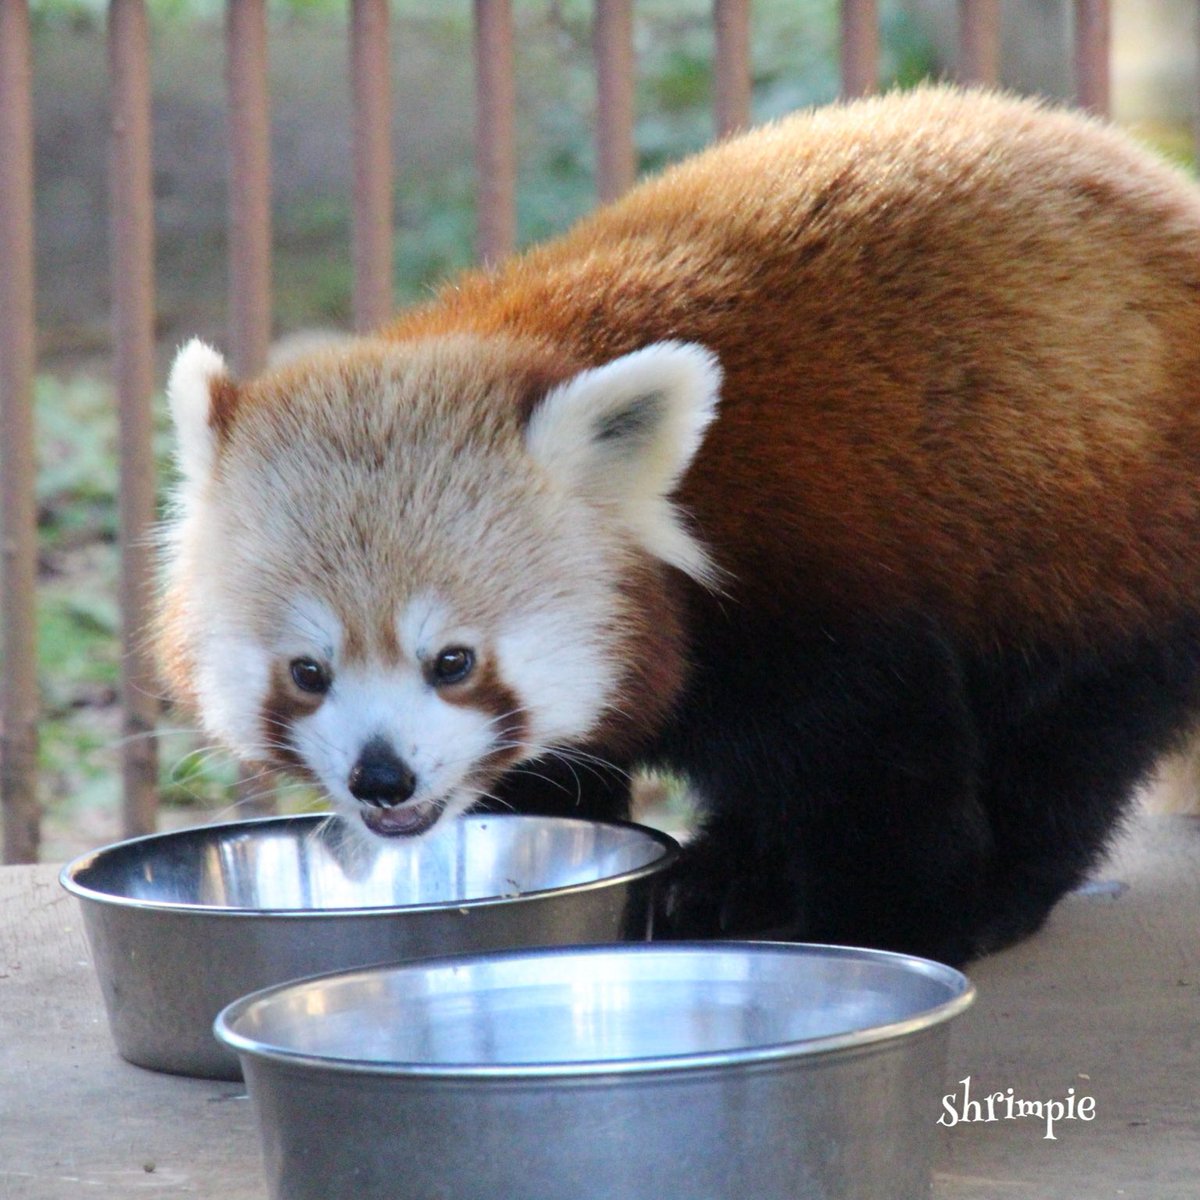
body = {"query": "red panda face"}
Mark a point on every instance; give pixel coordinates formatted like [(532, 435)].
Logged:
[(395, 572), (404, 734)]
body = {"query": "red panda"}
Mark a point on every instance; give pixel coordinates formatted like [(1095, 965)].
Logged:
[(849, 469)]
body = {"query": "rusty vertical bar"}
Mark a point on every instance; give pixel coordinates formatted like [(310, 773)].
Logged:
[(370, 72), (860, 48), (495, 143), (979, 41), (249, 238), (1093, 43), (19, 699), (616, 161), (249, 187), (731, 65), (132, 249)]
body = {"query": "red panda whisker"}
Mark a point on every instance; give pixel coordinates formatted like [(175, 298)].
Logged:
[(237, 807), (160, 732), (200, 757), (248, 798), (584, 758), (568, 755), (317, 833), (162, 697), (555, 782), (284, 743), (486, 795), (521, 711)]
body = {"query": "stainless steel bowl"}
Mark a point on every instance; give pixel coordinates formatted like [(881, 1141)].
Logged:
[(724, 1071), (182, 923)]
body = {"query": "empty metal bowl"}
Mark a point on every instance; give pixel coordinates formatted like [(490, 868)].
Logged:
[(723, 1071), (182, 923)]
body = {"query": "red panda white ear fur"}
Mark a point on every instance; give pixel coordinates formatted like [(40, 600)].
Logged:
[(623, 434), (196, 368)]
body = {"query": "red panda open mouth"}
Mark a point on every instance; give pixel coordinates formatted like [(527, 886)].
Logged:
[(405, 820)]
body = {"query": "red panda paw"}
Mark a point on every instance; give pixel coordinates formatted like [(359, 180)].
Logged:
[(710, 895)]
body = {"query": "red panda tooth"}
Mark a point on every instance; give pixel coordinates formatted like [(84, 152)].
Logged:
[(405, 820)]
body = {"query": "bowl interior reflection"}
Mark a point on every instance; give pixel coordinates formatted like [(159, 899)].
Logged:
[(318, 862), (603, 1005)]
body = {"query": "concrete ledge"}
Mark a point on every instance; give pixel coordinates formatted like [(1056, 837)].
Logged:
[(1106, 1000)]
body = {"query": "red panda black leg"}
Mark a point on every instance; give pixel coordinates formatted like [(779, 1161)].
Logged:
[(563, 785), (901, 794), (844, 803), (1064, 765)]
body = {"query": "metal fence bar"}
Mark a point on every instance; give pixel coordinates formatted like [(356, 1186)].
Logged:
[(616, 159), (249, 186), (979, 41), (132, 249), (370, 74), (860, 47), (19, 698), (495, 140), (1093, 43), (731, 65), (249, 242)]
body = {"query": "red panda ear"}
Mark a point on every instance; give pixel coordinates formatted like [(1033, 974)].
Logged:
[(623, 434), (202, 398)]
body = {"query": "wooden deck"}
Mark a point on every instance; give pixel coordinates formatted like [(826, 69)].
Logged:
[(1106, 1001)]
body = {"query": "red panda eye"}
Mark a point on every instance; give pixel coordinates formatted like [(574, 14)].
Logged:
[(309, 676), (452, 665)]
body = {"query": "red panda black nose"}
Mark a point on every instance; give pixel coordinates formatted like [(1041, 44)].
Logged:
[(380, 777)]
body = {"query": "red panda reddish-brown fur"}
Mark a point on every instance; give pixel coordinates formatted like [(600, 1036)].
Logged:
[(943, 319), (952, 490)]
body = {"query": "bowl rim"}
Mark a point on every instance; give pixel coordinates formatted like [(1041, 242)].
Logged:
[(669, 851), (960, 989)]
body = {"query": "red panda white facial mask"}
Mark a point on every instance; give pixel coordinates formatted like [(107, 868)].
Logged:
[(381, 572)]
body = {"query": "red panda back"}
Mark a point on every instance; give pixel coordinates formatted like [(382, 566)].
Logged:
[(961, 343)]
